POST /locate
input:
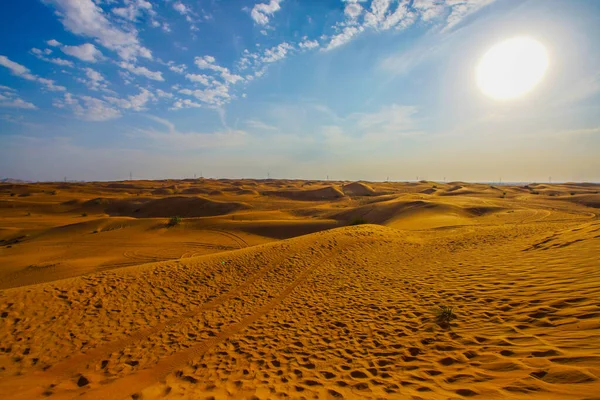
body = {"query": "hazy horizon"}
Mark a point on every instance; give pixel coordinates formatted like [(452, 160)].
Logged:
[(353, 90)]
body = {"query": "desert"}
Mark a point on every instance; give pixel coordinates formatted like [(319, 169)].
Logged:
[(299, 289), (300, 199)]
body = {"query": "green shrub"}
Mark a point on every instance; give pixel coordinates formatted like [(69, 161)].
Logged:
[(444, 314), (358, 221), (174, 221)]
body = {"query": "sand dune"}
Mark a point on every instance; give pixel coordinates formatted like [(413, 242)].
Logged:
[(275, 296), (324, 193), (358, 189)]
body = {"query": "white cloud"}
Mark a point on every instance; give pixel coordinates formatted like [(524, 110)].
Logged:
[(24, 72), (58, 61), (203, 79), (143, 71), (180, 69), (353, 10), (377, 14), (16, 68), (308, 44), (216, 95), (49, 83), (181, 8), (428, 10), (53, 43), (184, 103), (39, 52), (133, 102), (263, 11), (85, 52), (95, 80), (9, 99), (162, 94), (460, 9), (83, 17), (208, 62), (344, 37), (134, 10), (89, 109), (276, 53), (399, 15)]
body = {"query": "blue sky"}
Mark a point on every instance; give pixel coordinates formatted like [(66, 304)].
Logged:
[(94, 89)]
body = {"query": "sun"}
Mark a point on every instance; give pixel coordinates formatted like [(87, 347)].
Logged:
[(512, 68)]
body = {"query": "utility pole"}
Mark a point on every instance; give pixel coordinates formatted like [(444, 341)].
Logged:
[(268, 175), (550, 179), (130, 176)]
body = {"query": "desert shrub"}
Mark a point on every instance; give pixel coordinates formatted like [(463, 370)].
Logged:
[(174, 221), (444, 314), (358, 221), (434, 186), (572, 193), (84, 214), (12, 195)]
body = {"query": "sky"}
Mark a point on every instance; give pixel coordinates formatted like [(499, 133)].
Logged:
[(300, 89)]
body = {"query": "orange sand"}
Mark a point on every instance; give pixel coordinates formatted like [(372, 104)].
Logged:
[(266, 290)]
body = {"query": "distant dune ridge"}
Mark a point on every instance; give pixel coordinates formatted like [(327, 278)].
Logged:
[(324, 193), (268, 289), (358, 189)]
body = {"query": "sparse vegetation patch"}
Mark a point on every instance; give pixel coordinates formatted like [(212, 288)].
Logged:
[(173, 221), (444, 315)]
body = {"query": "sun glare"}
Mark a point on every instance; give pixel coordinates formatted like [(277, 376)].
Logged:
[(512, 68)]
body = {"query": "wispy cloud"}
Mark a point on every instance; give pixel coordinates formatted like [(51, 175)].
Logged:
[(87, 108), (142, 71), (24, 72), (10, 99)]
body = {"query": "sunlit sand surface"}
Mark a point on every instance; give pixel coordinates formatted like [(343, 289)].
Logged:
[(267, 289)]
